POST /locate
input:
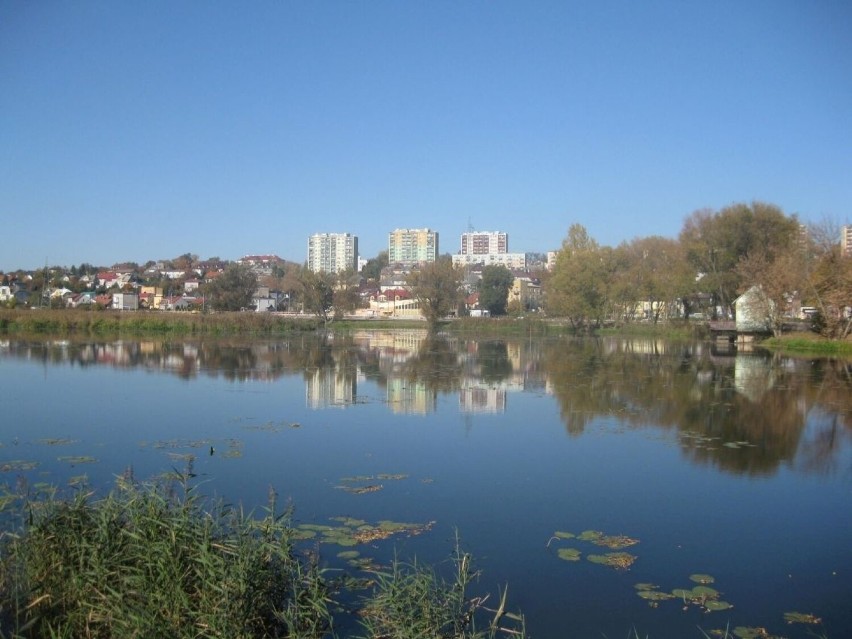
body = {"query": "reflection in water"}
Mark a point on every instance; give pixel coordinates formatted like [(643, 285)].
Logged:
[(745, 413)]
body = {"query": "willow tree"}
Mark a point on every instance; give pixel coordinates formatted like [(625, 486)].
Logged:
[(437, 287)]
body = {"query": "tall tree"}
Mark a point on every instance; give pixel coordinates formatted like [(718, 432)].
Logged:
[(373, 268), (716, 242), (579, 286), (829, 282), (233, 289), (437, 287), (494, 288), (317, 292)]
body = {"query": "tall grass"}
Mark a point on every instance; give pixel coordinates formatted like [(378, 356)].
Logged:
[(141, 563), (149, 561), (66, 322), (412, 601)]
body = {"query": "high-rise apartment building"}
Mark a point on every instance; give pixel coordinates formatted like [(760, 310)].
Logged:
[(412, 246), (846, 240), (332, 252), (484, 242)]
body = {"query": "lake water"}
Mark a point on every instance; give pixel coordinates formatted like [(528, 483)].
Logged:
[(737, 466)]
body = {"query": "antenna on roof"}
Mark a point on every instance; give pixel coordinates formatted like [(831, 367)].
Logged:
[(469, 225)]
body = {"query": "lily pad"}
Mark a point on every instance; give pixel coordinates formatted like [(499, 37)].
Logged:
[(559, 534), (617, 560), (17, 465), (749, 632), (716, 605), (569, 554), (77, 459), (349, 554), (654, 595), (801, 617), (702, 579)]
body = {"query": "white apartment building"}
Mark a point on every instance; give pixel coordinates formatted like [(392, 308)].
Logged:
[(412, 246), (332, 252), (846, 240), (512, 261), (484, 242)]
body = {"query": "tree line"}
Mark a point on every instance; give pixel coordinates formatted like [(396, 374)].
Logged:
[(717, 256)]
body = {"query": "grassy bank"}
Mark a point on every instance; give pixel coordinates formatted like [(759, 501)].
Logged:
[(808, 344), (142, 562), (70, 322)]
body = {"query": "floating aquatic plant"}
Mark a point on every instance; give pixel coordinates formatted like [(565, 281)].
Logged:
[(702, 578), (57, 441), (16, 465), (617, 560), (801, 617), (77, 459), (569, 554)]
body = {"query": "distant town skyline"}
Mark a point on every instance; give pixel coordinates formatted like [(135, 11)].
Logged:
[(135, 131)]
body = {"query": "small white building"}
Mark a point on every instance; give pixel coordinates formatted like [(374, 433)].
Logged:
[(125, 301)]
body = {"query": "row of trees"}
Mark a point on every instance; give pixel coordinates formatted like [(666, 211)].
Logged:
[(717, 256)]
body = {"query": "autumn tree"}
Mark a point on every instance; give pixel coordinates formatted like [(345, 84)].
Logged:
[(437, 287), (579, 285), (316, 290), (494, 288), (829, 282), (654, 271), (716, 242), (233, 289), (347, 296)]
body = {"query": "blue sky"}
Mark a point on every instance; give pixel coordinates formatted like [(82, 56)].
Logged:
[(144, 130)]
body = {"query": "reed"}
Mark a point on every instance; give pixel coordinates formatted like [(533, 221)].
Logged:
[(74, 322), (143, 563)]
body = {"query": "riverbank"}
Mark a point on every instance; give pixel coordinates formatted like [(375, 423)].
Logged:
[(808, 344), (73, 322)]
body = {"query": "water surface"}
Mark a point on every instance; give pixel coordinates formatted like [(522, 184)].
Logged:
[(738, 466)]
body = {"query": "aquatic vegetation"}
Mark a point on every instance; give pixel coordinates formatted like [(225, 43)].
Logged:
[(801, 617), (352, 532), (569, 554), (412, 601), (361, 490), (51, 441), (703, 597), (617, 560), (103, 568), (16, 465)]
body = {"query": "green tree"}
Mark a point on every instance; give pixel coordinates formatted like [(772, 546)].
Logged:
[(373, 268), (579, 287), (494, 288), (316, 291), (653, 275), (437, 287), (233, 289), (716, 242)]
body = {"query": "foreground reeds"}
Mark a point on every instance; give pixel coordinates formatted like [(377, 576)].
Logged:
[(148, 561)]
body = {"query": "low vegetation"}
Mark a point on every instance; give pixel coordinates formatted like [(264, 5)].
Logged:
[(77, 322), (150, 561)]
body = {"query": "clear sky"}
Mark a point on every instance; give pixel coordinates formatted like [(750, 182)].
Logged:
[(135, 130)]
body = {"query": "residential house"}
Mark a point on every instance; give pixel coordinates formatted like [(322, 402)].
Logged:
[(125, 301)]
